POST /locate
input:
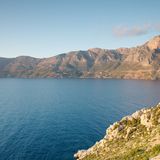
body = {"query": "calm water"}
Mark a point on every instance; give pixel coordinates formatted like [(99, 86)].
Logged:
[(50, 119)]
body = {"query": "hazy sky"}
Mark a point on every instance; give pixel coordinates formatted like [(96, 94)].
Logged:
[(43, 28)]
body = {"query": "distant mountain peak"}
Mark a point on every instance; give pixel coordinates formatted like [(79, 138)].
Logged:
[(154, 43), (96, 50)]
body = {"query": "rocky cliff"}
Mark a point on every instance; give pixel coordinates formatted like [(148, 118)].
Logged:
[(141, 62), (134, 137)]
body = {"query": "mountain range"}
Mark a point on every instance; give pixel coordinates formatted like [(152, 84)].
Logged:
[(140, 62)]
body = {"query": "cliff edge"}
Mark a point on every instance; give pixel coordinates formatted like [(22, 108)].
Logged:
[(134, 137)]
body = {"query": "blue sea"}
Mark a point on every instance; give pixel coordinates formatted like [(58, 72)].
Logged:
[(50, 119)]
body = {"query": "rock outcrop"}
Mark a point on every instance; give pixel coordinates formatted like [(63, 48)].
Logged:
[(134, 137), (156, 158), (141, 62), (154, 43)]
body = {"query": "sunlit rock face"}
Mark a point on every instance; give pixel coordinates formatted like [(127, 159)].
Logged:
[(154, 43)]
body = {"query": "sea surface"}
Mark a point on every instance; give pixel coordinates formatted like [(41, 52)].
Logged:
[(50, 119)]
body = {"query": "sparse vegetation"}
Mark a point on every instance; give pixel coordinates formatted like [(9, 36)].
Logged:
[(136, 137)]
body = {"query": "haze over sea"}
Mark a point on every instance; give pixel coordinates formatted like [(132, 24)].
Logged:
[(50, 119)]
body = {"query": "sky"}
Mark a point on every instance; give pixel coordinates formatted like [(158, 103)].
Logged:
[(44, 28)]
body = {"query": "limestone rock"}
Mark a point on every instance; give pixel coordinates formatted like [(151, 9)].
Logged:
[(156, 158), (138, 133), (154, 43)]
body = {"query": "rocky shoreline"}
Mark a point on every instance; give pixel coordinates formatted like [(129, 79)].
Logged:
[(136, 136)]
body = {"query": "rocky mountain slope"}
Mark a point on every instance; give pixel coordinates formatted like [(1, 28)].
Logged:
[(141, 62), (135, 137)]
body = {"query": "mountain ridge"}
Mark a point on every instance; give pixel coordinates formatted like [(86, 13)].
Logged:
[(141, 62)]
